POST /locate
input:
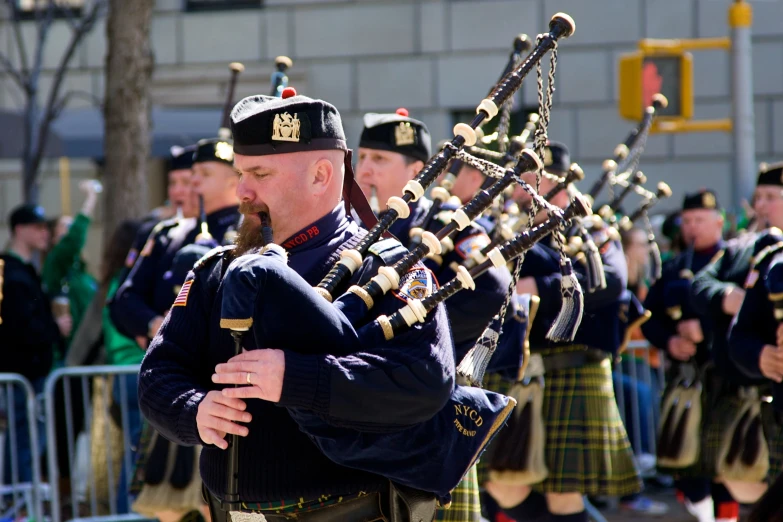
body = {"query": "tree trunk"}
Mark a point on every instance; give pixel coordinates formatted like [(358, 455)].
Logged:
[(129, 65)]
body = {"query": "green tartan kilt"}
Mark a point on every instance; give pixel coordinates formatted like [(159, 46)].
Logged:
[(776, 454), (716, 424), (465, 501), (587, 448)]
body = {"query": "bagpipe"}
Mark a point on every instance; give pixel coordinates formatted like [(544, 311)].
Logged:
[(628, 152), (432, 456), (279, 77), (187, 256)]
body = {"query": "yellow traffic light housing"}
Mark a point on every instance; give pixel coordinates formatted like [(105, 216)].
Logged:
[(645, 73)]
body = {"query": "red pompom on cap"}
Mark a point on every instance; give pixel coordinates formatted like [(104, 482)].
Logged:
[(288, 92), (402, 112)]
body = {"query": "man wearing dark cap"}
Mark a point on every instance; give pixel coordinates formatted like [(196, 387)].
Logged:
[(586, 448), (148, 291), (181, 203), (685, 333), (151, 287), (294, 165), (719, 291), (392, 150), (27, 327), (755, 337)]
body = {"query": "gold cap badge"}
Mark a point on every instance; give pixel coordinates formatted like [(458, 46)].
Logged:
[(224, 151), (404, 134), (286, 127), (708, 200), (548, 157)]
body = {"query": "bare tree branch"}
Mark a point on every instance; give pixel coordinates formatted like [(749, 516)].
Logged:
[(13, 19), (6, 65), (85, 26), (62, 103), (67, 12)]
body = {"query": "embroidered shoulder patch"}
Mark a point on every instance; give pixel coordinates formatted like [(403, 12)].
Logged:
[(182, 297), (417, 284), (472, 245), (148, 246), (753, 276)]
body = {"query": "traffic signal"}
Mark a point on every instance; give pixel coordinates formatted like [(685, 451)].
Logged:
[(643, 74)]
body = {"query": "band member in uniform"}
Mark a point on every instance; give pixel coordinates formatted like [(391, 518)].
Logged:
[(163, 491), (677, 328), (586, 447), (392, 150), (147, 293), (291, 154), (718, 292), (755, 337), (181, 203)]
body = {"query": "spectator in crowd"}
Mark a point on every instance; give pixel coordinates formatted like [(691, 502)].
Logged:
[(64, 273), (121, 350), (28, 329)]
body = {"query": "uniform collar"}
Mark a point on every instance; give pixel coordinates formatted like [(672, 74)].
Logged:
[(319, 232), (223, 216), (711, 251)]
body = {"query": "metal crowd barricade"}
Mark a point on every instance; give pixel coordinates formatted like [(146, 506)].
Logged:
[(638, 388), (26, 498), (104, 509)]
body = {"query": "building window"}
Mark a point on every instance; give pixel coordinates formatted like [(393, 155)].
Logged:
[(29, 9), (214, 5)]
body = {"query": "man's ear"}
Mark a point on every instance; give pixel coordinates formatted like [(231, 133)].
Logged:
[(322, 174)]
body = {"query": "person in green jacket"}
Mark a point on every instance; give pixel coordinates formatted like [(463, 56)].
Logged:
[(121, 350), (64, 273)]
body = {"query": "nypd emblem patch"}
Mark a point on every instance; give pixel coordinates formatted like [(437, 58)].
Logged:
[(471, 245), (417, 284)]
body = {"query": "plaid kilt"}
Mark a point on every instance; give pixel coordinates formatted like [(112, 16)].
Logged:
[(465, 501), (716, 423), (587, 447), (776, 453)]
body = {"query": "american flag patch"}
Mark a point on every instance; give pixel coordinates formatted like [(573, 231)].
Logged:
[(131, 259), (182, 297)]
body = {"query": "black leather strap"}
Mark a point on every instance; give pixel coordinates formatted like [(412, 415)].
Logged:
[(576, 359)]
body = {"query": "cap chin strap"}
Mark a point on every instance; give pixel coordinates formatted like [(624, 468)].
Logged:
[(354, 197)]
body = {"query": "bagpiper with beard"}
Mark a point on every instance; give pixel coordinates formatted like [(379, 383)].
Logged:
[(293, 161), (392, 151)]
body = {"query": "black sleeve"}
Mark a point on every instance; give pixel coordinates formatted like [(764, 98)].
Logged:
[(660, 327), (169, 388)]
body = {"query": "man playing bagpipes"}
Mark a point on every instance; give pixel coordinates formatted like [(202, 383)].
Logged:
[(392, 150), (685, 334), (754, 338), (296, 175), (717, 293), (574, 415)]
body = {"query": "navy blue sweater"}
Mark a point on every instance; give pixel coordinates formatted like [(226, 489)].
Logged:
[(356, 390)]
